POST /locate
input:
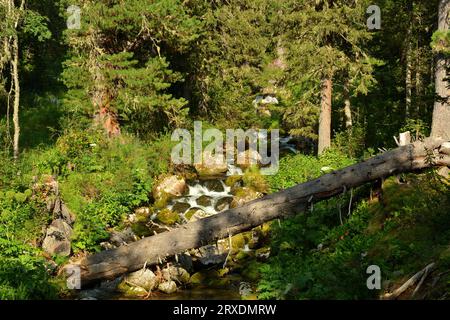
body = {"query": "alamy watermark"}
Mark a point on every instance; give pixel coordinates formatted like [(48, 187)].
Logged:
[(74, 19), (374, 280), (73, 280), (239, 147), (374, 21)]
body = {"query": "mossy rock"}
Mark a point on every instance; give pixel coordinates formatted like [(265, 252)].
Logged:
[(238, 242), (223, 203), (140, 229), (129, 291), (163, 200), (210, 278), (168, 217), (204, 277), (233, 181), (214, 185), (204, 201), (244, 195), (180, 207), (194, 213)]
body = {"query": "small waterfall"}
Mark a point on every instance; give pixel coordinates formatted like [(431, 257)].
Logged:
[(200, 190)]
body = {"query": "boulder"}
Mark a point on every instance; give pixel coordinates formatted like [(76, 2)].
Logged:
[(143, 278), (168, 217), (210, 167), (223, 203), (125, 236), (214, 185), (176, 274), (204, 201), (57, 238), (168, 287), (181, 207), (185, 261), (172, 186), (66, 214), (244, 195)]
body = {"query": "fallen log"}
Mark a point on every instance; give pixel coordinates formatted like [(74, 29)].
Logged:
[(113, 263)]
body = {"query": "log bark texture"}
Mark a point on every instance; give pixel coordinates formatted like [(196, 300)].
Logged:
[(112, 263)]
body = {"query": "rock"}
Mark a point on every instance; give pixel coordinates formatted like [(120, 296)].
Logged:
[(57, 207), (168, 217), (185, 261), (234, 181), (173, 186), (211, 254), (144, 278), (180, 207), (244, 195), (198, 214), (125, 236), (214, 185), (142, 211), (445, 148), (209, 167), (168, 287), (66, 214), (223, 203), (176, 274), (57, 238), (204, 201), (210, 278), (444, 172)]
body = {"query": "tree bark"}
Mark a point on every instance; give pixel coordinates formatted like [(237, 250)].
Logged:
[(347, 107), (441, 113), (325, 116), (15, 75), (112, 263)]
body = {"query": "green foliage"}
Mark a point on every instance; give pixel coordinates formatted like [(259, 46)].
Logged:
[(317, 258), (301, 168)]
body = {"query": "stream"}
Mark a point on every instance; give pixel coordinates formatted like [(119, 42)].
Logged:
[(202, 198)]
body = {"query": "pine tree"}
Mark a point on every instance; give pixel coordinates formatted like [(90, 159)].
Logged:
[(118, 71), (326, 41)]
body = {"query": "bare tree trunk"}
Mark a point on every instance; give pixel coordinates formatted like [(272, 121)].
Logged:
[(441, 113), (15, 75), (347, 106), (112, 263), (325, 116)]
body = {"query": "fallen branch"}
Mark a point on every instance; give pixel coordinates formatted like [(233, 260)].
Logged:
[(112, 263), (411, 281)]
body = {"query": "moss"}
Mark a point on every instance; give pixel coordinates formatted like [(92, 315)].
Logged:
[(162, 201), (232, 181), (253, 179), (168, 217), (204, 277), (188, 215), (140, 229)]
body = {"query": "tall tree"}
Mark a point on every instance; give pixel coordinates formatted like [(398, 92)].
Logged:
[(118, 70), (17, 20), (326, 40), (441, 112)]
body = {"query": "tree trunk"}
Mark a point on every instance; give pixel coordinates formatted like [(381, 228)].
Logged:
[(325, 116), (112, 263), (347, 107), (441, 113), (409, 65), (15, 76)]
